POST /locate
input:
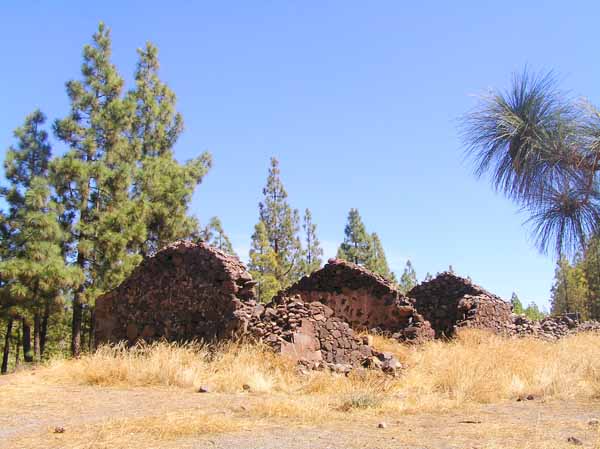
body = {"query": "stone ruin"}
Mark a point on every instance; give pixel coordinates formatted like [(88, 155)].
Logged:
[(364, 299), (552, 328), (185, 292), (450, 302), (192, 291), (309, 333)]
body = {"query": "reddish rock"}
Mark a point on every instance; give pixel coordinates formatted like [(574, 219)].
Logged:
[(449, 302), (192, 291), (362, 298), (187, 291)]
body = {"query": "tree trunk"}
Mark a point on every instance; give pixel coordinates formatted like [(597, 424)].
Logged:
[(27, 354), (18, 352), (84, 329), (76, 325), (44, 331), (6, 353), (77, 314), (91, 330), (37, 324)]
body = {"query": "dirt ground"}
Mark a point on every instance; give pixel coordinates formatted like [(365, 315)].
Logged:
[(38, 414)]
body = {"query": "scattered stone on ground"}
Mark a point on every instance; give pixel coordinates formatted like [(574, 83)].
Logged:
[(552, 328), (310, 334), (574, 440)]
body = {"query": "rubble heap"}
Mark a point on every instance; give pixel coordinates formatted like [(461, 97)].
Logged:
[(449, 302), (364, 299), (310, 334), (552, 328)]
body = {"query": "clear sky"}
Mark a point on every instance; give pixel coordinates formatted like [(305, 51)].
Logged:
[(360, 101)]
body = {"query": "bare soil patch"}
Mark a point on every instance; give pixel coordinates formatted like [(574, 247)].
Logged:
[(32, 410)]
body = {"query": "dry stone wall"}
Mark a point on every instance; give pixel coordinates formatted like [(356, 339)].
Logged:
[(311, 334), (186, 291), (449, 302), (552, 328), (192, 291), (363, 299)]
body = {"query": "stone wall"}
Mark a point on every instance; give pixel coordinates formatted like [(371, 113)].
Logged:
[(186, 291), (449, 301), (192, 291), (310, 334), (552, 328), (362, 298)]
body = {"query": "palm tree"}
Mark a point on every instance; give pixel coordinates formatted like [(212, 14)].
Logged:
[(542, 150)]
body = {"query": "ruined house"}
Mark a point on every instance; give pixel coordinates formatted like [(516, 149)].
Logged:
[(192, 291), (364, 299), (449, 302), (187, 291)]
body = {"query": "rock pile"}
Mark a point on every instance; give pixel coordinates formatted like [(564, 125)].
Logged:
[(449, 302), (363, 299), (552, 328), (311, 334)]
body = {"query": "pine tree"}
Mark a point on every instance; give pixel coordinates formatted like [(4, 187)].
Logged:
[(214, 235), (377, 261), (570, 291), (163, 186), (517, 305), (428, 277), (362, 248), (263, 264), (94, 178), (281, 227), (533, 312), (312, 251), (408, 280), (34, 271), (357, 244), (591, 267)]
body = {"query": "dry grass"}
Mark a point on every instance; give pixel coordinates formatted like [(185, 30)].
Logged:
[(146, 431), (475, 368)]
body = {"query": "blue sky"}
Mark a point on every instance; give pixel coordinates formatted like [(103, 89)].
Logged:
[(360, 101)]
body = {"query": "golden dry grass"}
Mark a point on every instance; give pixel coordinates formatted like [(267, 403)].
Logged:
[(476, 368)]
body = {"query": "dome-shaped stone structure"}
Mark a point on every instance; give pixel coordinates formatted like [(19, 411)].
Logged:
[(187, 291)]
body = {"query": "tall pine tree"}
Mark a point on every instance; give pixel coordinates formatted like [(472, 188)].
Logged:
[(214, 235), (362, 248), (263, 264), (313, 252), (517, 305), (357, 244), (570, 291), (408, 280), (34, 269), (378, 262), (163, 186), (281, 226), (93, 179)]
